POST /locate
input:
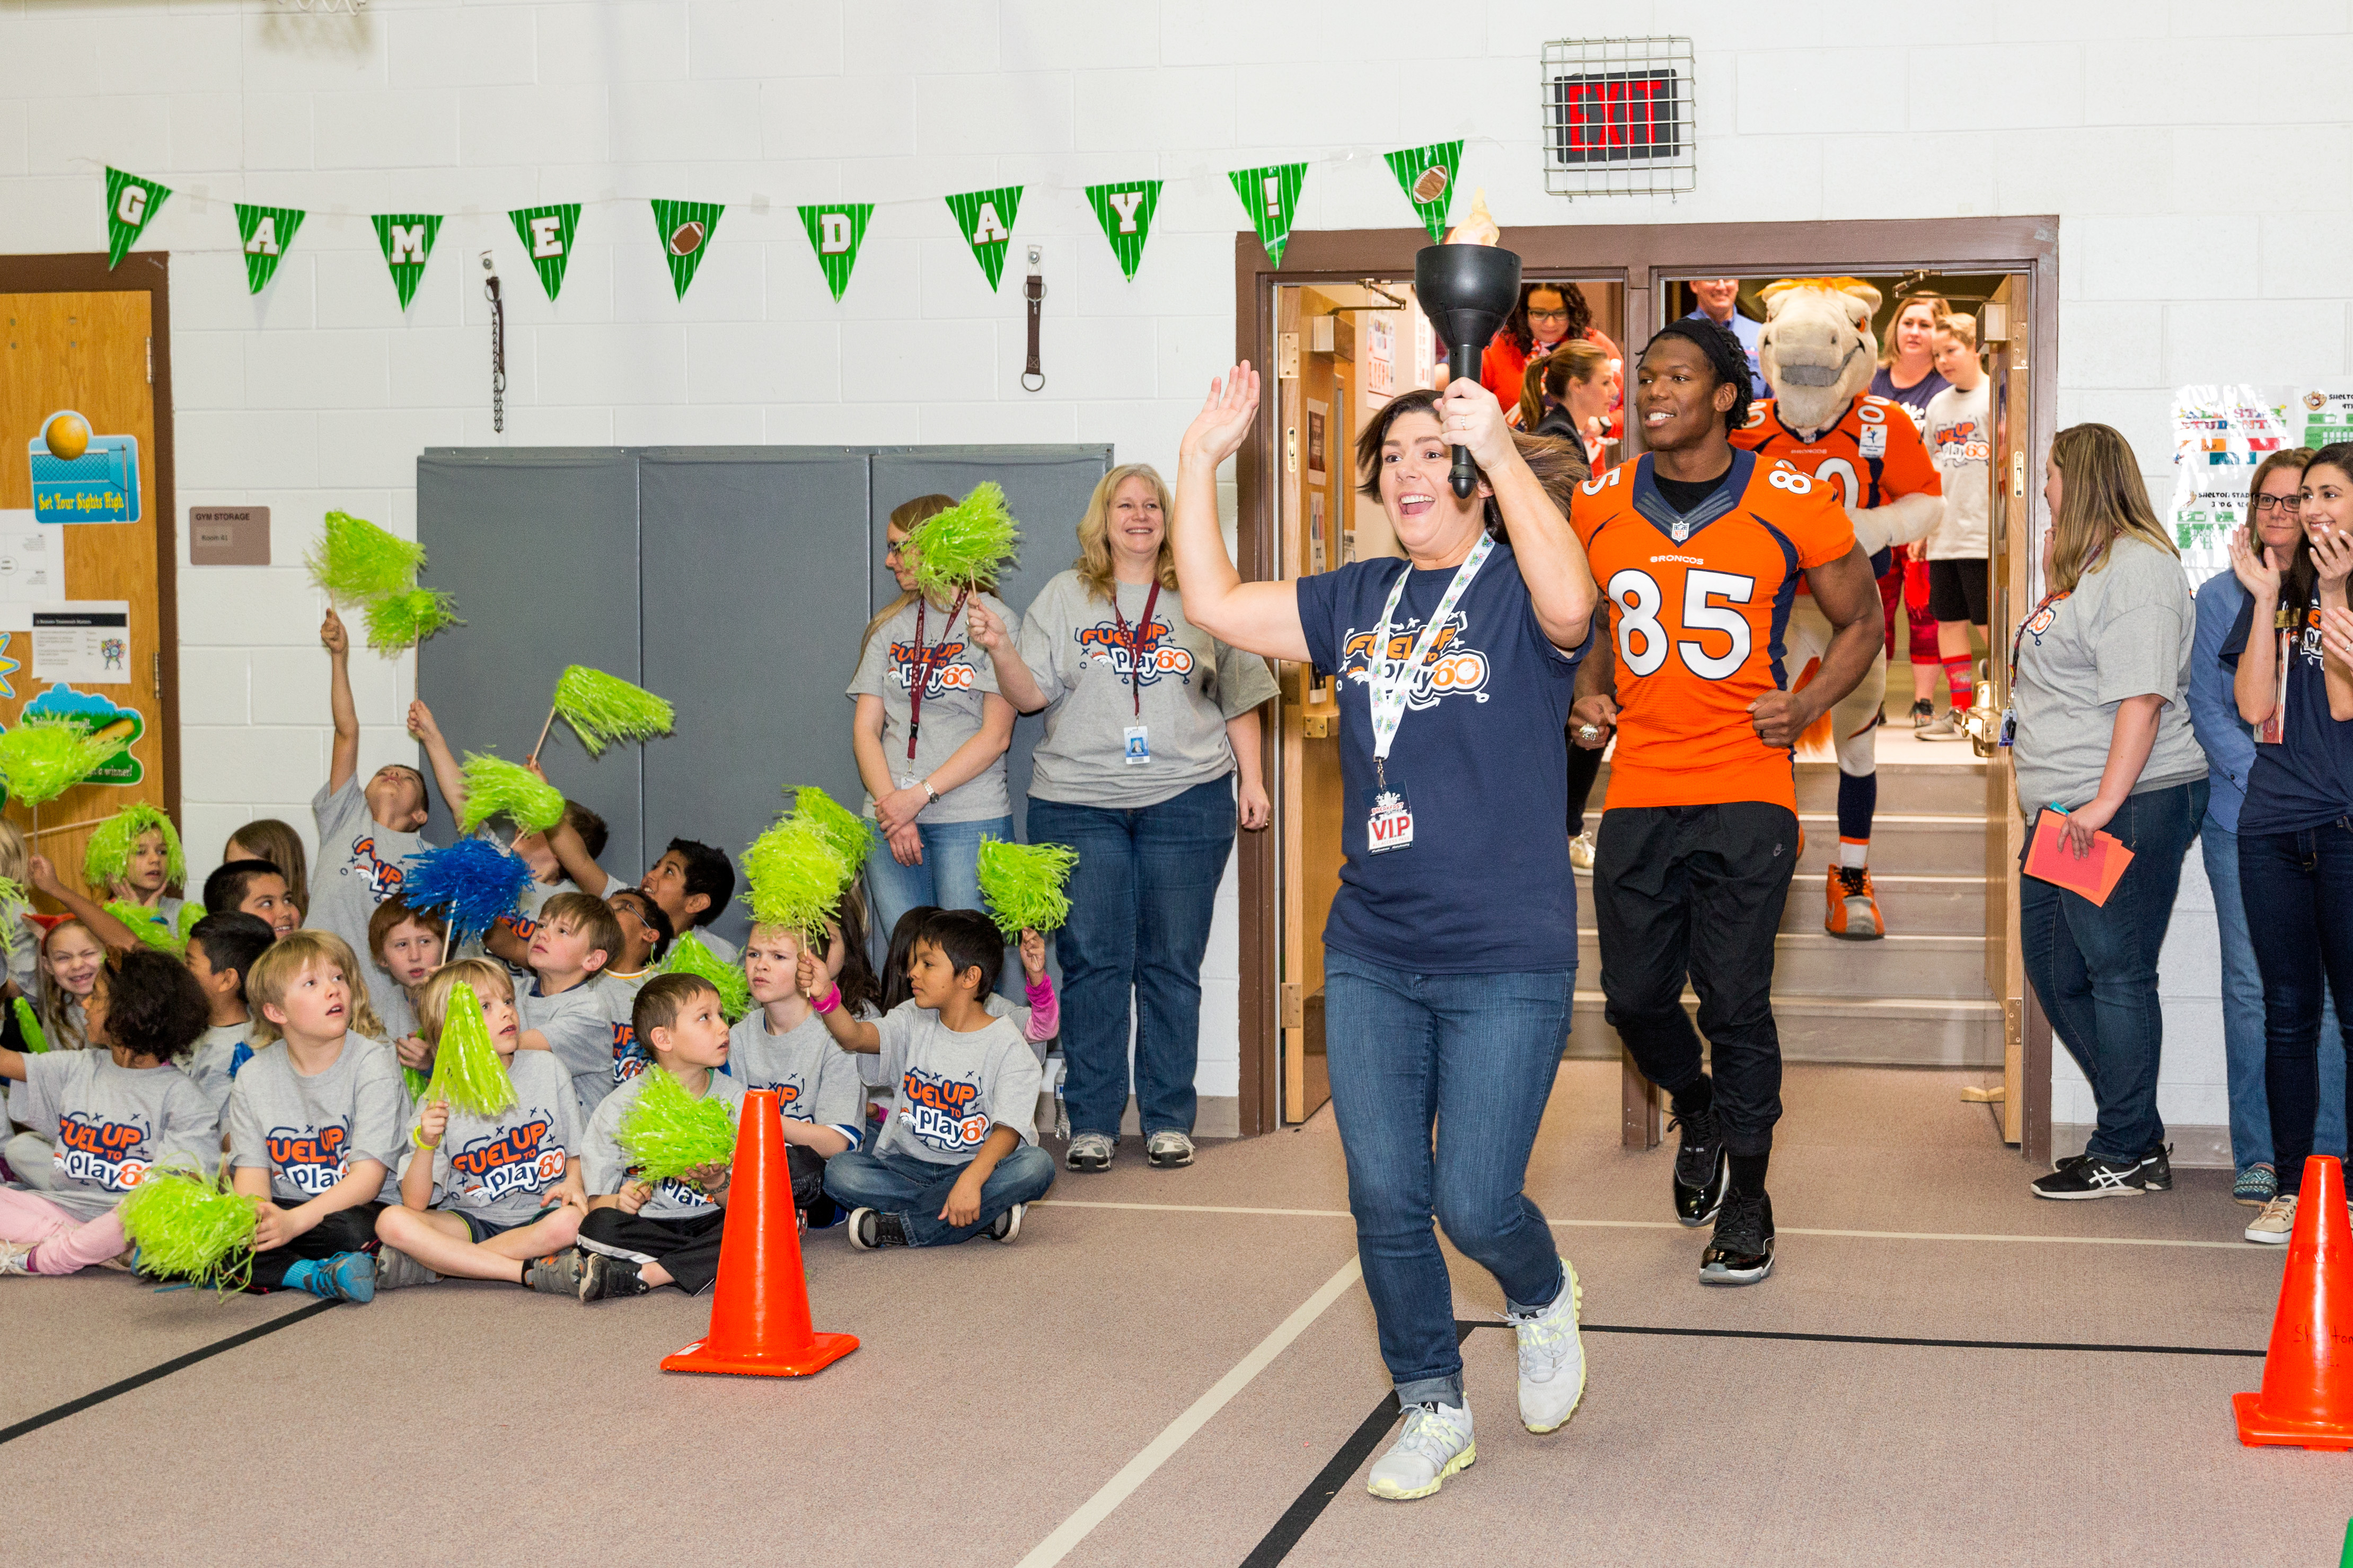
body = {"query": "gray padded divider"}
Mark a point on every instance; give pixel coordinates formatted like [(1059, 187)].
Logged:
[(539, 548), (754, 593)]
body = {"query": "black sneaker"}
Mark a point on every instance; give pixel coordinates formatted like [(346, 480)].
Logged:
[(1008, 1226), (1924, 713), (557, 1274), (870, 1228), (2089, 1177), (2156, 1171), (1742, 1250), (610, 1279), (1703, 1169)]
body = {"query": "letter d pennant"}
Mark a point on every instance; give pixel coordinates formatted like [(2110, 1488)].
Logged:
[(835, 232)]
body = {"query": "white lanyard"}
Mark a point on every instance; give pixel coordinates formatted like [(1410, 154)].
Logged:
[(1389, 698)]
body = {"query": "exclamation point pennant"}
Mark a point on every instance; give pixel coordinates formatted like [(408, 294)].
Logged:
[(1271, 195)]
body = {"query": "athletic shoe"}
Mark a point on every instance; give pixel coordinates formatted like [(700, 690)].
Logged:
[(870, 1228), (557, 1274), (346, 1276), (1853, 908), (2090, 1176), (609, 1278), (1580, 850), (395, 1269), (1742, 1250), (2155, 1169), (16, 1259), (1007, 1226), (1088, 1152), (2273, 1226), (1435, 1444), (2257, 1186), (1552, 1358), (1924, 713), (1168, 1149), (1948, 727), (1703, 1169)]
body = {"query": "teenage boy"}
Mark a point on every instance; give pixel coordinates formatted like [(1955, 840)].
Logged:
[(222, 951), (782, 1045), (960, 1155), (253, 887), (1959, 433), (575, 937)]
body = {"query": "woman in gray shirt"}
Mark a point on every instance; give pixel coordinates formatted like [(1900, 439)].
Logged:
[(2100, 675), (1148, 717)]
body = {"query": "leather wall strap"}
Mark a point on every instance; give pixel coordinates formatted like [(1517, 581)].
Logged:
[(1035, 292)]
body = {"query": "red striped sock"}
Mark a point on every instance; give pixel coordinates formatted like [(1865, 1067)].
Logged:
[(1957, 669)]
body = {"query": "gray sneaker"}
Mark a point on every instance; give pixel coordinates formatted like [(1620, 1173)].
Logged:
[(1945, 726), (557, 1274), (1168, 1149), (1089, 1152), (395, 1269)]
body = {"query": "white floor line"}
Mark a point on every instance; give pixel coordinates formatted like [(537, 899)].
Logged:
[(2239, 1246), (1173, 1437)]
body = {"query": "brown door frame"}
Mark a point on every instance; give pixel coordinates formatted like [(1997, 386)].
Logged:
[(1642, 255), (149, 271)]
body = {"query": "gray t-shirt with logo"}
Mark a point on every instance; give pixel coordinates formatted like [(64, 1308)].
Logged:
[(578, 1025), (213, 1065), (815, 1079), (505, 1168), (959, 673), (306, 1131), (109, 1125), (608, 1165), (358, 868), (1103, 675), (952, 1088)]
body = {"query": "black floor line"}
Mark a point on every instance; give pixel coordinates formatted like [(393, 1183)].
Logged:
[(1907, 1339), (140, 1380)]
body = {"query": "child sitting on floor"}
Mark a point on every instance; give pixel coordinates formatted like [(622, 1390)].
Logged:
[(574, 938), (691, 883), (70, 960), (222, 950), (782, 1045), (255, 887), (639, 1234), (111, 1113), (408, 945), (150, 870), (645, 938), (508, 1185)]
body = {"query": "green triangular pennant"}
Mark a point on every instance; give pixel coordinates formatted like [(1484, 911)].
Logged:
[(546, 235), (1427, 176), (131, 204), (1125, 213), (1271, 195), (987, 218), (407, 241), (685, 228), (265, 232), (836, 231)]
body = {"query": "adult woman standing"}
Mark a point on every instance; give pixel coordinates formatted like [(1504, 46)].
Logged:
[(1549, 315), (2099, 674), (1148, 717), (1907, 372), (1908, 376), (930, 734), (2296, 849), (1451, 952), (1566, 392)]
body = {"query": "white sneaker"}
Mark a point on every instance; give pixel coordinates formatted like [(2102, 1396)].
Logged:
[(1580, 850), (1168, 1149), (2273, 1226), (16, 1259), (1435, 1444), (1552, 1357), (1088, 1152)]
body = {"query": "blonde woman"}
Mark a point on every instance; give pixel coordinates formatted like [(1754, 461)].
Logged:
[(1567, 393), (1151, 754), (1907, 361)]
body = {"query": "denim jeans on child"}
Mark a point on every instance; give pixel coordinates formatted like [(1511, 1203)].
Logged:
[(949, 876), (892, 1182), (1475, 1056), (2298, 893), (2243, 1021)]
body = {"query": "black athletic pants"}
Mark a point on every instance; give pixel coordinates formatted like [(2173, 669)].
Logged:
[(688, 1249), (1696, 891), (1584, 766), (345, 1230)]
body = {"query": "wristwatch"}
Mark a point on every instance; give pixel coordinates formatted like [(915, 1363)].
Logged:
[(928, 790)]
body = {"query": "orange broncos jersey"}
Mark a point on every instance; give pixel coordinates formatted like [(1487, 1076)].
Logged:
[(1873, 455), (1697, 606)]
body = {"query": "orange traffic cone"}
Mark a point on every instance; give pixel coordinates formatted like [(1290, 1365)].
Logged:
[(2307, 1396), (760, 1315)]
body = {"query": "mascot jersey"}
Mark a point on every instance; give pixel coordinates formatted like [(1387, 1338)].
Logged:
[(1873, 455), (1698, 605)]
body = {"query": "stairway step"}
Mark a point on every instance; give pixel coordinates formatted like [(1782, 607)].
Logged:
[(1956, 788), (1922, 968), (1914, 844), (1881, 1031), (1913, 906)]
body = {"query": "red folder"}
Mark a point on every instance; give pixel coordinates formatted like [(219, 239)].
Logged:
[(2094, 875)]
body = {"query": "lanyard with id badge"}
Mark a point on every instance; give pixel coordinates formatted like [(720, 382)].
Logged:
[(1137, 738), (2038, 624), (1388, 816)]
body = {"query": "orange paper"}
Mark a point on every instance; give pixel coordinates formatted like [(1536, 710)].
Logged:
[(2094, 875)]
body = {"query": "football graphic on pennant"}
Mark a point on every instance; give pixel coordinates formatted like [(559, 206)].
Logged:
[(1430, 184), (686, 238)]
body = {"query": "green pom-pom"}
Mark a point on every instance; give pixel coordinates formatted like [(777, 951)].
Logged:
[(399, 621), (495, 787), (689, 956), (1023, 884), (107, 861), (14, 900), (354, 560), (603, 708), (851, 835), (28, 1022), (149, 926), (669, 1132), (190, 913), (467, 1071), (41, 759), (187, 1225), (965, 546), (418, 1082), (794, 877)]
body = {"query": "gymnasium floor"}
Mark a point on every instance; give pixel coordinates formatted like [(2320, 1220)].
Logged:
[(1165, 1366)]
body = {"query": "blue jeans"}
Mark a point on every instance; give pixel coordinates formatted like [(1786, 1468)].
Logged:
[(916, 1190), (1473, 1056), (2242, 1023), (1141, 899), (947, 876), (2094, 966), (2298, 893)]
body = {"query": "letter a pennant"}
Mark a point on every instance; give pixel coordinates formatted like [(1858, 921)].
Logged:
[(1125, 213), (1427, 175), (406, 240), (1271, 195), (836, 231), (265, 232), (546, 235), (131, 202), (985, 218), (686, 229)]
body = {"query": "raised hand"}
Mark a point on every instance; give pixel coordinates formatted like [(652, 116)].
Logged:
[(1217, 432), (2332, 553), (2252, 565), (1474, 418), (986, 629), (331, 633)]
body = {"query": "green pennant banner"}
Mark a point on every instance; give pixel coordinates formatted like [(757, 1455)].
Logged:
[(407, 241), (1271, 195), (265, 232), (1426, 174), (686, 229), (986, 217), (131, 204), (546, 235), (835, 232), (1125, 213)]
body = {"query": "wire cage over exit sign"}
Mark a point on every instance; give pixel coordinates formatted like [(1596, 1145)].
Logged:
[(1619, 117)]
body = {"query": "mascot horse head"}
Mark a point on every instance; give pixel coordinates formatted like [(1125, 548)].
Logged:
[(1816, 347)]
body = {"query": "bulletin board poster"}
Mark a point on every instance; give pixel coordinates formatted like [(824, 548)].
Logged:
[(1380, 359), (100, 486), (2222, 431)]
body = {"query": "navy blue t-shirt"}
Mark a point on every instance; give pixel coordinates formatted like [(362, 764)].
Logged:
[(1485, 887), (2300, 782)]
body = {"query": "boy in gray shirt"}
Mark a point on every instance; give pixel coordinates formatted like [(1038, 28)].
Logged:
[(782, 1045)]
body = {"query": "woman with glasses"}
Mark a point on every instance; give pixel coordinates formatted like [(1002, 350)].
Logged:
[(1549, 315)]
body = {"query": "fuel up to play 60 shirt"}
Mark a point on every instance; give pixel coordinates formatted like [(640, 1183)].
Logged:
[(1698, 604)]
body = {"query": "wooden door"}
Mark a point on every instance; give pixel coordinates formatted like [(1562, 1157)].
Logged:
[(2014, 554), (90, 353)]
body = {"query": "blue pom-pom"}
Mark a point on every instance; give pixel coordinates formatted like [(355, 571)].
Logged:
[(471, 883)]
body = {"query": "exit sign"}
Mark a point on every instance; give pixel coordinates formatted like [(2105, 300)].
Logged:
[(1617, 115)]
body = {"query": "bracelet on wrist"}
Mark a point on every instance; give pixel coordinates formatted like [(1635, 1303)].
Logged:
[(828, 1002), (417, 1136)]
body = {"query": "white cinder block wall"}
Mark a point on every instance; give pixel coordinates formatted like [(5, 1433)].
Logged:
[(2187, 149)]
